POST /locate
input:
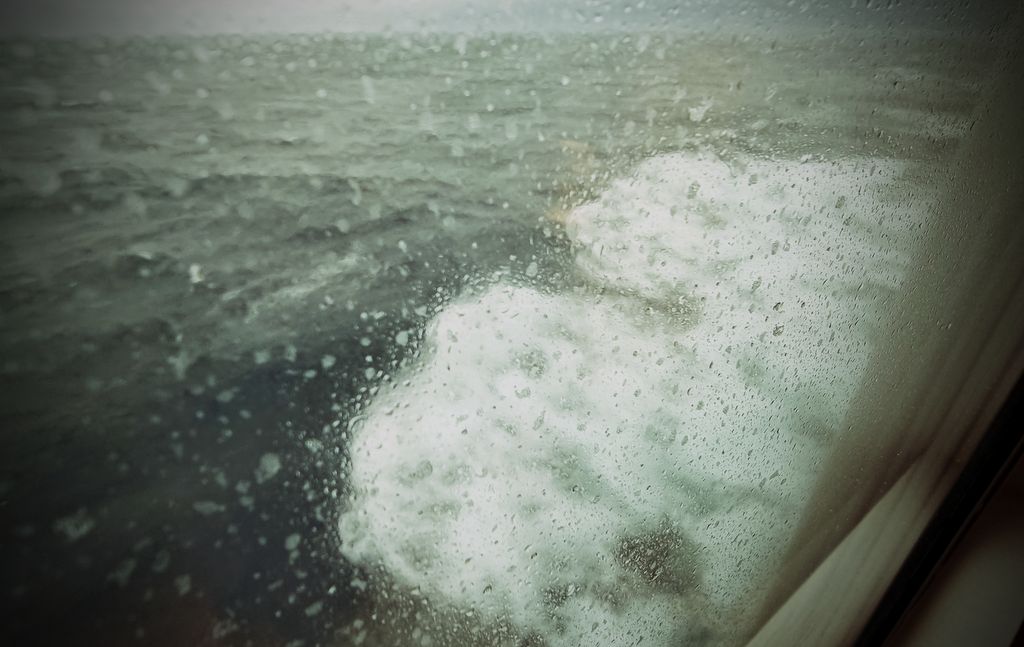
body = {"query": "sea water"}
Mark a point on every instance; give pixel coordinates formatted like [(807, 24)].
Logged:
[(441, 339)]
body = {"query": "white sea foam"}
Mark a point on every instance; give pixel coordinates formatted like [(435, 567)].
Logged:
[(624, 462)]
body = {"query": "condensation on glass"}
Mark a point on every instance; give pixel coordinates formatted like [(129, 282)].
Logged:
[(451, 324)]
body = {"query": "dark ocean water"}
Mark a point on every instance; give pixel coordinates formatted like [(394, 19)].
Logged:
[(215, 250)]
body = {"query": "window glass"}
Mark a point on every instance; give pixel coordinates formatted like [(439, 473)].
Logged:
[(453, 323)]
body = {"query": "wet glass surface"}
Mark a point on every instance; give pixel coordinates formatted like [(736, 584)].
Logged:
[(443, 338)]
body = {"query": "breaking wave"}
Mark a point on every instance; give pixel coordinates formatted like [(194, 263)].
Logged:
[(624, 461)]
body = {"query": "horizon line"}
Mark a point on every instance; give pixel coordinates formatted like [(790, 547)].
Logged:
[(730, 30)]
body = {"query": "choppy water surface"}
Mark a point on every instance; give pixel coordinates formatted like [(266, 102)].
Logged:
[(435, 339)]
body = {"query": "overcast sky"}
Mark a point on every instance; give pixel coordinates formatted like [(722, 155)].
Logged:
[(123, 17)]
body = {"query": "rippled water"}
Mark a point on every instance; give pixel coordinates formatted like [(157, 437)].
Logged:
[(491, 302)]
